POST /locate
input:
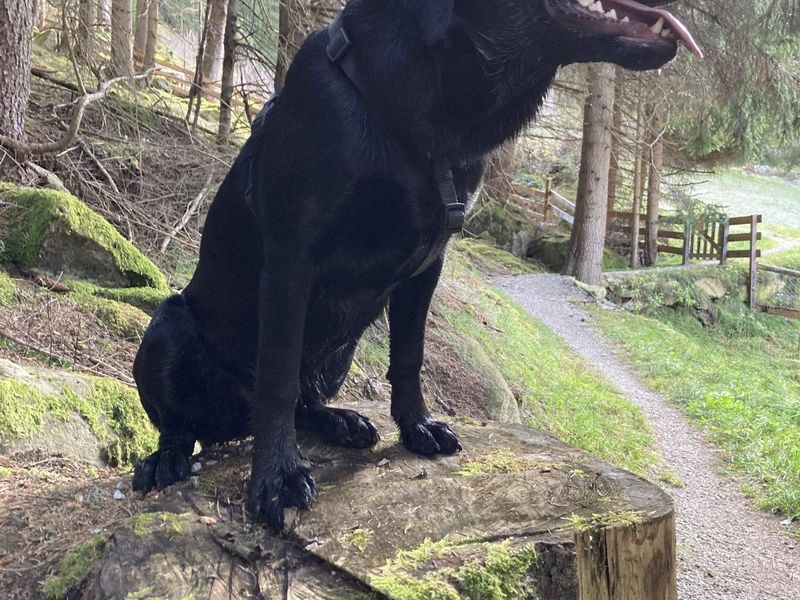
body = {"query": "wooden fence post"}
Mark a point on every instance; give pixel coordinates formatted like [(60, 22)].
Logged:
[(687, 243), (752, 291), (548, 197), (723, 241)]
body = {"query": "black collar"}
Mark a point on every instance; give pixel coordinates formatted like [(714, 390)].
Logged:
[(338, 51)]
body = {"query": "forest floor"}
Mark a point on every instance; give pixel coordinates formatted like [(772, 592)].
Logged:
[(727, 549)]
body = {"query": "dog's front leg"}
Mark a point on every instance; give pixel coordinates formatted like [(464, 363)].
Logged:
[(279, 477), (408, 311)]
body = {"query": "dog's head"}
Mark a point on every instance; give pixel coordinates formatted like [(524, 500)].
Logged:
[(633, 34)]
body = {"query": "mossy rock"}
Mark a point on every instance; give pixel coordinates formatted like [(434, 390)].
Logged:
[(54, 232), (552, 251), (94, 419)]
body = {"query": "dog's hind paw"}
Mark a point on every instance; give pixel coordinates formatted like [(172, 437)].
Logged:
[(276, 489), (161, 469), (429, 437), (340, 427)]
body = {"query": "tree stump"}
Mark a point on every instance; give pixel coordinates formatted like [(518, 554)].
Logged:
[(517, 514)]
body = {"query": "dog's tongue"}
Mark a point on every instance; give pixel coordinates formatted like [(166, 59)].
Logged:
[(674, 23)]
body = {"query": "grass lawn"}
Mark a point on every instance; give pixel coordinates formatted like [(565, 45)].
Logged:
[(560, 394), (740, 380)]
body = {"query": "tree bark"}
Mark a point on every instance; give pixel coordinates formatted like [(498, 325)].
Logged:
[(212, 58), (121, 46), (16, 30), (654, 186), (585, 261), (638, 175), (616, 146), (104, 12), (140, 37), (39, 13), (152, 36), (228, 64), (86, 16)]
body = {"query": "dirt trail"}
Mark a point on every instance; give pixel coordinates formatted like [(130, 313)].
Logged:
[(726, 549)]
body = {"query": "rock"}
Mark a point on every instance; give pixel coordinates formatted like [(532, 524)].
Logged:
[(516, 515), (598, 292), (93, 419), (500, 402), (56, 233), (711, 287), (118, 495)]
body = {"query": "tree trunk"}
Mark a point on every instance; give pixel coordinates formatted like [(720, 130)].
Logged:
[(616, 146), (638, 175), (121, 47), (104, 12), (140, 39), (654, 186), (85, 33), (228, 64), (16, 30), (39, 13), (152, 36), (212, 58), (585, 261)]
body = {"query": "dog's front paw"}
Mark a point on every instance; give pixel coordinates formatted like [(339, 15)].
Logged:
[(278, 486), (161, 469), (429, 437), (340, 427)]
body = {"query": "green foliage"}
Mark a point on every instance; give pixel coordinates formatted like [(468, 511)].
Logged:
[(602, 520), (560, 393), (552, 251), (498, 461), (7, 290), (486, 258), (360, 539), (740, 380), (74, 569), (34, 212)]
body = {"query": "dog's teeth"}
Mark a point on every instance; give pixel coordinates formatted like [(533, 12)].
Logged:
[(612, 14), (666, 33), (658, 25), (625, 20), (585, 3), (597, 7)]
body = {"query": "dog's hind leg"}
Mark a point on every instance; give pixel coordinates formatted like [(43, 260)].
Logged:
[(338, 426), (180, 392)]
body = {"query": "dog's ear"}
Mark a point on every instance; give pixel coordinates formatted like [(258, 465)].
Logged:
[(433, 17)]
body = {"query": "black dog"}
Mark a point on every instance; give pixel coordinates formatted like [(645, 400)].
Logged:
[(340, 203)]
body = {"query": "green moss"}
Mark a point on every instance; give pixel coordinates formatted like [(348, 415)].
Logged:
[(503, 574), (671, 479), (360, 539), (144, 298), (600, 521), (490, 259), (5, 472), (499, 574), (122, 319), (107, 406), (73, 569), (7, 290), (499, 462), (38, 209), (145, 594), (145, 523)]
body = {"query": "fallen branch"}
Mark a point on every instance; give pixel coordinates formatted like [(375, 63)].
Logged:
[(193, 207), (72, 131)]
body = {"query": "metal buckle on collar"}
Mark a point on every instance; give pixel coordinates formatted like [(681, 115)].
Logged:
[(456, 214), (339, 42)]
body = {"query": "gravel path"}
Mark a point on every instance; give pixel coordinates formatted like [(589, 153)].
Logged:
[(726, 549)]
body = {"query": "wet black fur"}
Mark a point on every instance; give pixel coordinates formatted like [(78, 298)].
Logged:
[(344, 208)]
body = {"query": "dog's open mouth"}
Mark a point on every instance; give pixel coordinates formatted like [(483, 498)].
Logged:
[(623, 18)]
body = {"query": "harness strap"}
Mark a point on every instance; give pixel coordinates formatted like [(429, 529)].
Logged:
[(338, 51)]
